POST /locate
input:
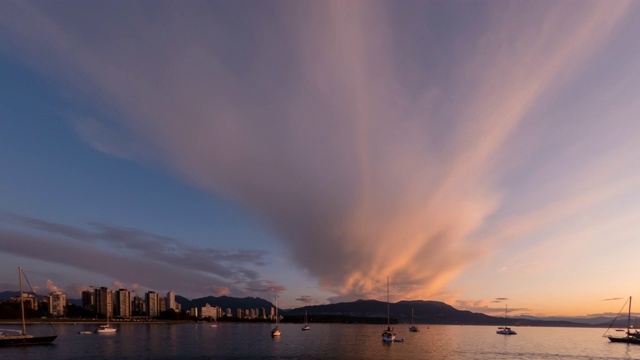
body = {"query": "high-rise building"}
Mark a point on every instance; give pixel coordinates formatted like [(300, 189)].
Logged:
[(208, 311), (138, 306), (29, 300), (123, 303), (152, 301), (57, 303), (162, 304), (171, 301), (104, 301), (89, 300)]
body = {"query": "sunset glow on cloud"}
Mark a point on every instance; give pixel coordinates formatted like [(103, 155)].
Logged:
[(470, 151)]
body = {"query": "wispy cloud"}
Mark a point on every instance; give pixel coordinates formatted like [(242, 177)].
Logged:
[(99, 249), (306, 299), (316, 129)]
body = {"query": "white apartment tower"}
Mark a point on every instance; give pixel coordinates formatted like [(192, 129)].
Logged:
[(171, 301), (153, 302), (57, 302)]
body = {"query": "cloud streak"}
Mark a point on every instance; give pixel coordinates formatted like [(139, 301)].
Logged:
[(134, 256), (314, 126)]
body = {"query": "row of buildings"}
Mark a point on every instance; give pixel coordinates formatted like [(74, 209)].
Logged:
[(56, 302), (120, 303)]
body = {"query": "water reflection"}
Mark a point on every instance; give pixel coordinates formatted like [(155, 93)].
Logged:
[(134, 341)]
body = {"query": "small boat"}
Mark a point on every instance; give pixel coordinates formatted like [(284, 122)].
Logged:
[(85, 332), (106, 328), (388, 335), (505, 330), (413, 328), (275, 332), (630, 337), (306, 326), (21, 337)]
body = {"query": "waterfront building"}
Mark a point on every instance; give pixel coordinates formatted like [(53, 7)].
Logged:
[(138, 306), (171, 301), (162, 304), (104, 301), (152, 301), (123, 303), (57, 303), (89, 300), (30, 301), (208, 311)]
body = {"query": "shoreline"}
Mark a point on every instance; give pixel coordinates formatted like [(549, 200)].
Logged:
[(92, 321)]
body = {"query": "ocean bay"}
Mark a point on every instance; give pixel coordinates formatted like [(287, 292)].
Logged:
[(323, 341)]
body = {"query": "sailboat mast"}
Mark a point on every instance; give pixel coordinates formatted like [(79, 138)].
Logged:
[(388, 309), (629, 317), (24, 326)]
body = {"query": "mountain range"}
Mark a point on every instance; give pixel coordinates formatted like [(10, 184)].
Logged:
[(425, 312)]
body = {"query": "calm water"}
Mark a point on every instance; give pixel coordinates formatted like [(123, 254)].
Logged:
[(324, 341)]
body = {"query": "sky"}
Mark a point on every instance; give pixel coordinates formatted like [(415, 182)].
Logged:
[(480, 153)]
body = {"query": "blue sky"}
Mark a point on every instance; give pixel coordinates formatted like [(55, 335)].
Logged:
[(471, 151)]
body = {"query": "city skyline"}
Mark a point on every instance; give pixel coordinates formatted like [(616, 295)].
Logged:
[(475, 153)]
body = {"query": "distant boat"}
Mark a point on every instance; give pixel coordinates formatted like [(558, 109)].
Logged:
[(413, 328), (505, 330), (388, 335), (215, 322), (21, 337), (106, 328), (275, 332), (306, 326), (630, 337)]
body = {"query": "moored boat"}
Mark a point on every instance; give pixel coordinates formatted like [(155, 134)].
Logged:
[(275, 332), (630, 337), (306, 326), (388, 335), (413, 328), (21, 337), (505, 330)]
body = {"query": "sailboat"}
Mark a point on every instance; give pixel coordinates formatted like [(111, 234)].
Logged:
[(413, 328), (22, 338), (388, 335), (275, 331), (505, 330), (630, 338), (106, 328), (306, 323)]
